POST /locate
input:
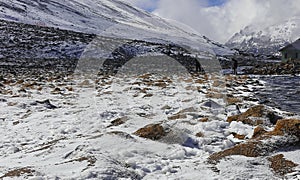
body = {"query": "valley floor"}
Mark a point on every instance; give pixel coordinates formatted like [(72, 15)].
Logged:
[(143, 127)]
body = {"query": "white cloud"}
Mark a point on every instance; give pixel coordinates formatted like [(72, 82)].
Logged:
[(221, 22)]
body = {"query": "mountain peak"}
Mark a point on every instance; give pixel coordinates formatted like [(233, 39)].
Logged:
[(266, 40)]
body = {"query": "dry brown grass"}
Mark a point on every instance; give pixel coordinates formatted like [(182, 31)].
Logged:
[(258, 132), (233, 100), (256, 112), (205, 119), (215, 95), (177, 116), (90, 159), (18, 172), (257, 147), (200, 134), (118, 121), (288, 126), (152, 131), (281, 166), (238, 136)]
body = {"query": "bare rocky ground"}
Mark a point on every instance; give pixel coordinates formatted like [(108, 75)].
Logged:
[(146, 126)]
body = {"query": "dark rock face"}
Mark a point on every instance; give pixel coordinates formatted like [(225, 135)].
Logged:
[(136, 48), (26, 46), (36, 47)]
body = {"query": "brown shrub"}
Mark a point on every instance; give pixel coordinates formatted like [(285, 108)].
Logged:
[(177, 116), (249, 149), (287, 126), (118, 121), (257, 147), (205, 119), (256, 112), (200, 134), (215, 95), (238, 136), (151, 131), (18, 172), (280, 165), (233, 100), (258, 132)]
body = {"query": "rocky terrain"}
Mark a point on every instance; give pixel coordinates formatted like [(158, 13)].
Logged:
[(147, 126), (79, 99), (26, 46)]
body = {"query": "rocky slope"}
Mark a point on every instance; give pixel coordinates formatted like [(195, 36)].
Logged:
[(267, 41), (114, 18), (30, 46)]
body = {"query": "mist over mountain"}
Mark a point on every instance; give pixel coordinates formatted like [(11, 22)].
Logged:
[(268, 40)]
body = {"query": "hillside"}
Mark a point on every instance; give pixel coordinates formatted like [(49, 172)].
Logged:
[(113, 18)]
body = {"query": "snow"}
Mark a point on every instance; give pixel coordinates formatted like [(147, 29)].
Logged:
[(52, 141), (259, 38), (111, 18), (75, 138)]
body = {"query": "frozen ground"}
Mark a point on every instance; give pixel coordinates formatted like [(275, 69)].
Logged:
[(87, 130)]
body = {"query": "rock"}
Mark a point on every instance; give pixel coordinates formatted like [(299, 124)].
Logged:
[(121, 134), (212, 104), (200, 134), (16, 123), (3, 100), (151, 131), (147, 95), (118, 121), (47, 104), (190, 109), (166, 107)]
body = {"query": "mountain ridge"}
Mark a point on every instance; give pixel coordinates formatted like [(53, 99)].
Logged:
[(113, 18), (266, 41)]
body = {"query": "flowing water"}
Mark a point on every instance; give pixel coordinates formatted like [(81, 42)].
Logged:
[(282, 92)]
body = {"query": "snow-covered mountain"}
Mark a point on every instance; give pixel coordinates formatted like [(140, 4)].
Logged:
[(114, 18), (269, 40)]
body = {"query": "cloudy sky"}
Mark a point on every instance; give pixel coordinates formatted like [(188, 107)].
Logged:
[(220, 19)]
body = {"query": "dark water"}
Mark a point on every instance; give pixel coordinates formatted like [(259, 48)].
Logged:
[(282, 92)]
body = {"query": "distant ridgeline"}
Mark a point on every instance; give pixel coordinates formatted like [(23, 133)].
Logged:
[(24, 46)]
